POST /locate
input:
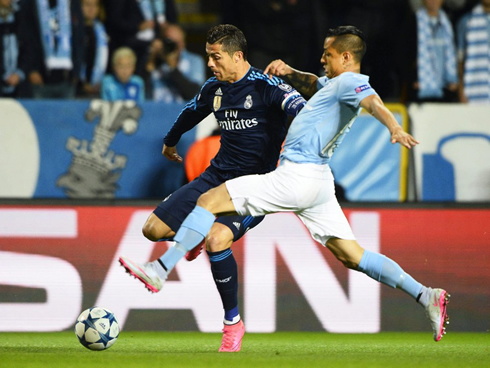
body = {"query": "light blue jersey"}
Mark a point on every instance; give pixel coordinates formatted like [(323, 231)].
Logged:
[(332, 111)]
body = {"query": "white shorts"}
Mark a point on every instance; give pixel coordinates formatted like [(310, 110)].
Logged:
[(306, 189)]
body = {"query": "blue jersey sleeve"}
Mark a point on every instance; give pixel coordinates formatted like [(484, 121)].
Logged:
[(191, 115), (282, 94), (354, 88)]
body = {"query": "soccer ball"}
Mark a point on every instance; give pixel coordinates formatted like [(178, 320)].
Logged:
[(97, 328)]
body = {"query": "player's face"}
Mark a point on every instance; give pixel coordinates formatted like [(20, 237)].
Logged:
[(332, 61), (222, 65)]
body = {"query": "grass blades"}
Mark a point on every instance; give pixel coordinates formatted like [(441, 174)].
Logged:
[(283, 349)]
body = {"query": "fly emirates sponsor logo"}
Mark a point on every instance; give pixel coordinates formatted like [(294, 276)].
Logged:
[(233, 122)]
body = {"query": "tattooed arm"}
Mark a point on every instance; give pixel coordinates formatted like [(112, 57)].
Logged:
[(304, 82)]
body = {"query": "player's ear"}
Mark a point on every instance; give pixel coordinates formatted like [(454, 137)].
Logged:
[(347, 57), (237, 56)]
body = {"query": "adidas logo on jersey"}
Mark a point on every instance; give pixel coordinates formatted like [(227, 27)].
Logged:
[(218, 92), (237, 225)]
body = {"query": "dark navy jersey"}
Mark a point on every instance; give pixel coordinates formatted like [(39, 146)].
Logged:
[(252, 114)]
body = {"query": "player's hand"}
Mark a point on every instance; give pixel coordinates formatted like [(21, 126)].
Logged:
[(278, 68), (171, 153), (403, 138)]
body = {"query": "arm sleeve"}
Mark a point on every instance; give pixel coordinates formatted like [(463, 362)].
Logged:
[(190, 116), (353, 89), (285, 96)]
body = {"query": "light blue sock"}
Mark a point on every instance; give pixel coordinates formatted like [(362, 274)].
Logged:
[(388, 272), (192, 231)]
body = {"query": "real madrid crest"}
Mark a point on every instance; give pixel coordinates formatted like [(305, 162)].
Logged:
[(248, 102), (285, 87)]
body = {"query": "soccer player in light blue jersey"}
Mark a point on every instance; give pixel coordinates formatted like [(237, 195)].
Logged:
[(303, 182)]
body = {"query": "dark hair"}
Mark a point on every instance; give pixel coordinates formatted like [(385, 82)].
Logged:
[(230, 37), (349, 38)]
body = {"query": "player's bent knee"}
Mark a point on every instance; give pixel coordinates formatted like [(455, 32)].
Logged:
[(217, 244), (349, 263), (347, 252), (219, 238), (154, 231), (149, 231)]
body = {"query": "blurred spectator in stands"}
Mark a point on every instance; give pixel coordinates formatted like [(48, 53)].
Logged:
[(381, 22), (96, 51), (135, 23), (473, 33), (123, 84), (291, 30), (175, 74), (453, 8), (12, 65), (428, 54), (53, 34)]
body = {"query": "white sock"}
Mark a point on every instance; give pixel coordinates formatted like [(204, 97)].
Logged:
[(424, 296), (236, 319), (161, 272)]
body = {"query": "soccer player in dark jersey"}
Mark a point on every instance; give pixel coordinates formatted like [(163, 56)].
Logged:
[(251, 110)]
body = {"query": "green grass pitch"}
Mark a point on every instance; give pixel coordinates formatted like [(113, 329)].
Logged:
[(283, 349)]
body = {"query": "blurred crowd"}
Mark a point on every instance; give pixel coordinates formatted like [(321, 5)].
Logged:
[(418, 50), (110, 49)]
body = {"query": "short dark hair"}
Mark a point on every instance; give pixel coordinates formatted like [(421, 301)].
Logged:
[(230, 37), (349, 38)]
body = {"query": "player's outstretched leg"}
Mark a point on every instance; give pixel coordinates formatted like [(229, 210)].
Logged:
[(232, 337), (388, 272), (148, 273), (191, 233), (436, 310)]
